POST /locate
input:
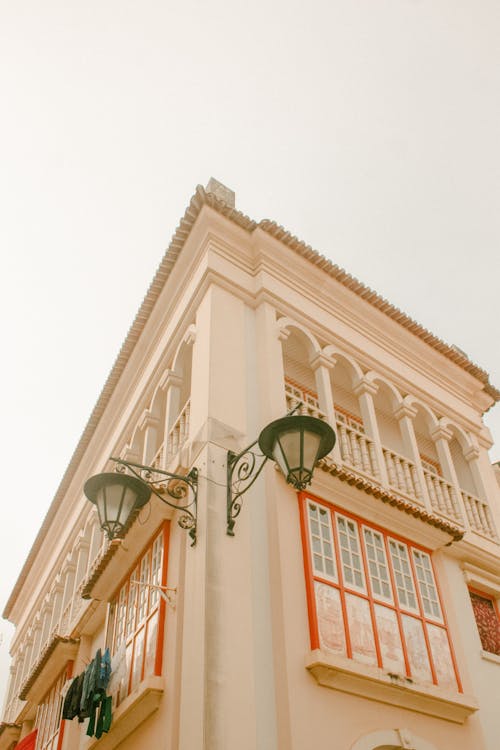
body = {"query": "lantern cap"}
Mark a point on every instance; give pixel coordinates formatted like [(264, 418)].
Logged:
[(95, 483), (300, 423)]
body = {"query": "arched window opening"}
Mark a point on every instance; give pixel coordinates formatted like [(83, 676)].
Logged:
[(401, 470), (462, 468), (347, 409), (300, 381)]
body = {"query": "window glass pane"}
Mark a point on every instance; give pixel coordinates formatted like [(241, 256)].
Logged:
[(151, 641), (352, 567), (390, 640), (441, 656), (377, 564), (132, 604), (143, 588), (428, 592), (416, 649), (330, 619), (360, 629), (138, 659), (402, 574), (320, 535)]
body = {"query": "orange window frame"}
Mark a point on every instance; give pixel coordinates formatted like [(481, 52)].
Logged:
[(496, 610), (139, 632), (311, 576), (41, 729)]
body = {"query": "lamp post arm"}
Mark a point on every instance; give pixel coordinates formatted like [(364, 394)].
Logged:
[(176, 488), (244, 469), (241, 473)]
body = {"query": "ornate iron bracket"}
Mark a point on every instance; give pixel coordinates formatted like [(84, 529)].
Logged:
[(177, 488), (240, 477)]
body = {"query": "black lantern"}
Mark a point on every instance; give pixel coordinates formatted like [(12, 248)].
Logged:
[(297, 444), (116, 496), (119, 495)]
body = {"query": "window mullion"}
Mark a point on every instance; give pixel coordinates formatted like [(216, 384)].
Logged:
[(422, 615), (396, 605), (370, 594), (340, 574)]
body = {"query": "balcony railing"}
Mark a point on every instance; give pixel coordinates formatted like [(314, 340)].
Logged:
[(356, 449), (309, 404), (442, 496), (402, 475), (179, 431), (479, 516)]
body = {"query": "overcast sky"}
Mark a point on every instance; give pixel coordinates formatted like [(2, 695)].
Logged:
[(369, 128)]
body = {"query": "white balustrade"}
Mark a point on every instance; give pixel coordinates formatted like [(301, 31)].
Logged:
[(402, 474), (479, 516), (356, 449), (179, 431), (157, 461), (309, 404), (442, 496)]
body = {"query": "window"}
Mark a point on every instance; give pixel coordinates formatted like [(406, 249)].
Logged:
[(137, 616), (48, 715), (487, 621), (373, 597)]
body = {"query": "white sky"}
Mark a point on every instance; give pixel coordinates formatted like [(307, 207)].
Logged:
[(369, 129)]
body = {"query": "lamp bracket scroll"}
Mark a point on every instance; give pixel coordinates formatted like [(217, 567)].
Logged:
[(242, 471), (181, 488)]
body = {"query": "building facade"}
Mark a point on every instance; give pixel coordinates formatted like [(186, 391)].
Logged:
[(358, 614)]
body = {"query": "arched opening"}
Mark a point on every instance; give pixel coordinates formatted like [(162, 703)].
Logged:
[(178, 402), (401, 470), (300, 380)]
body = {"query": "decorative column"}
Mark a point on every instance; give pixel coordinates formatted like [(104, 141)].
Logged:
[(171, 383), (322, 365), (149, 424), (365, 390), (82, 547), (405, 414), (442, 436)]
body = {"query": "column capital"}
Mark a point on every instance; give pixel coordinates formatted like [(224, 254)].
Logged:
[(170, 379), (471, 453), (405, 410), (190, 336), (148, 419), (282, 333), (365, 386), (322, 360), (441, 433)]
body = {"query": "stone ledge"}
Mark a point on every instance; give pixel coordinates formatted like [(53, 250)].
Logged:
[(339, 673), (135, 709)]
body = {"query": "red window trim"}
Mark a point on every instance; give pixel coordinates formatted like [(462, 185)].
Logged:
[(311, 576), (163, 529), (494, 601)]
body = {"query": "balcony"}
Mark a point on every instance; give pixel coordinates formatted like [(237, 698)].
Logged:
[(421, 484), (179, 432)]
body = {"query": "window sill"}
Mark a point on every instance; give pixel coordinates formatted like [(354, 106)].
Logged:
[(135, 709), (495, 658), (339, 673)]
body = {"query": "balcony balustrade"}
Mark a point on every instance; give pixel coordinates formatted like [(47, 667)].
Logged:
[(479, 516), (442, 495), (402, 475), (358, 452)]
